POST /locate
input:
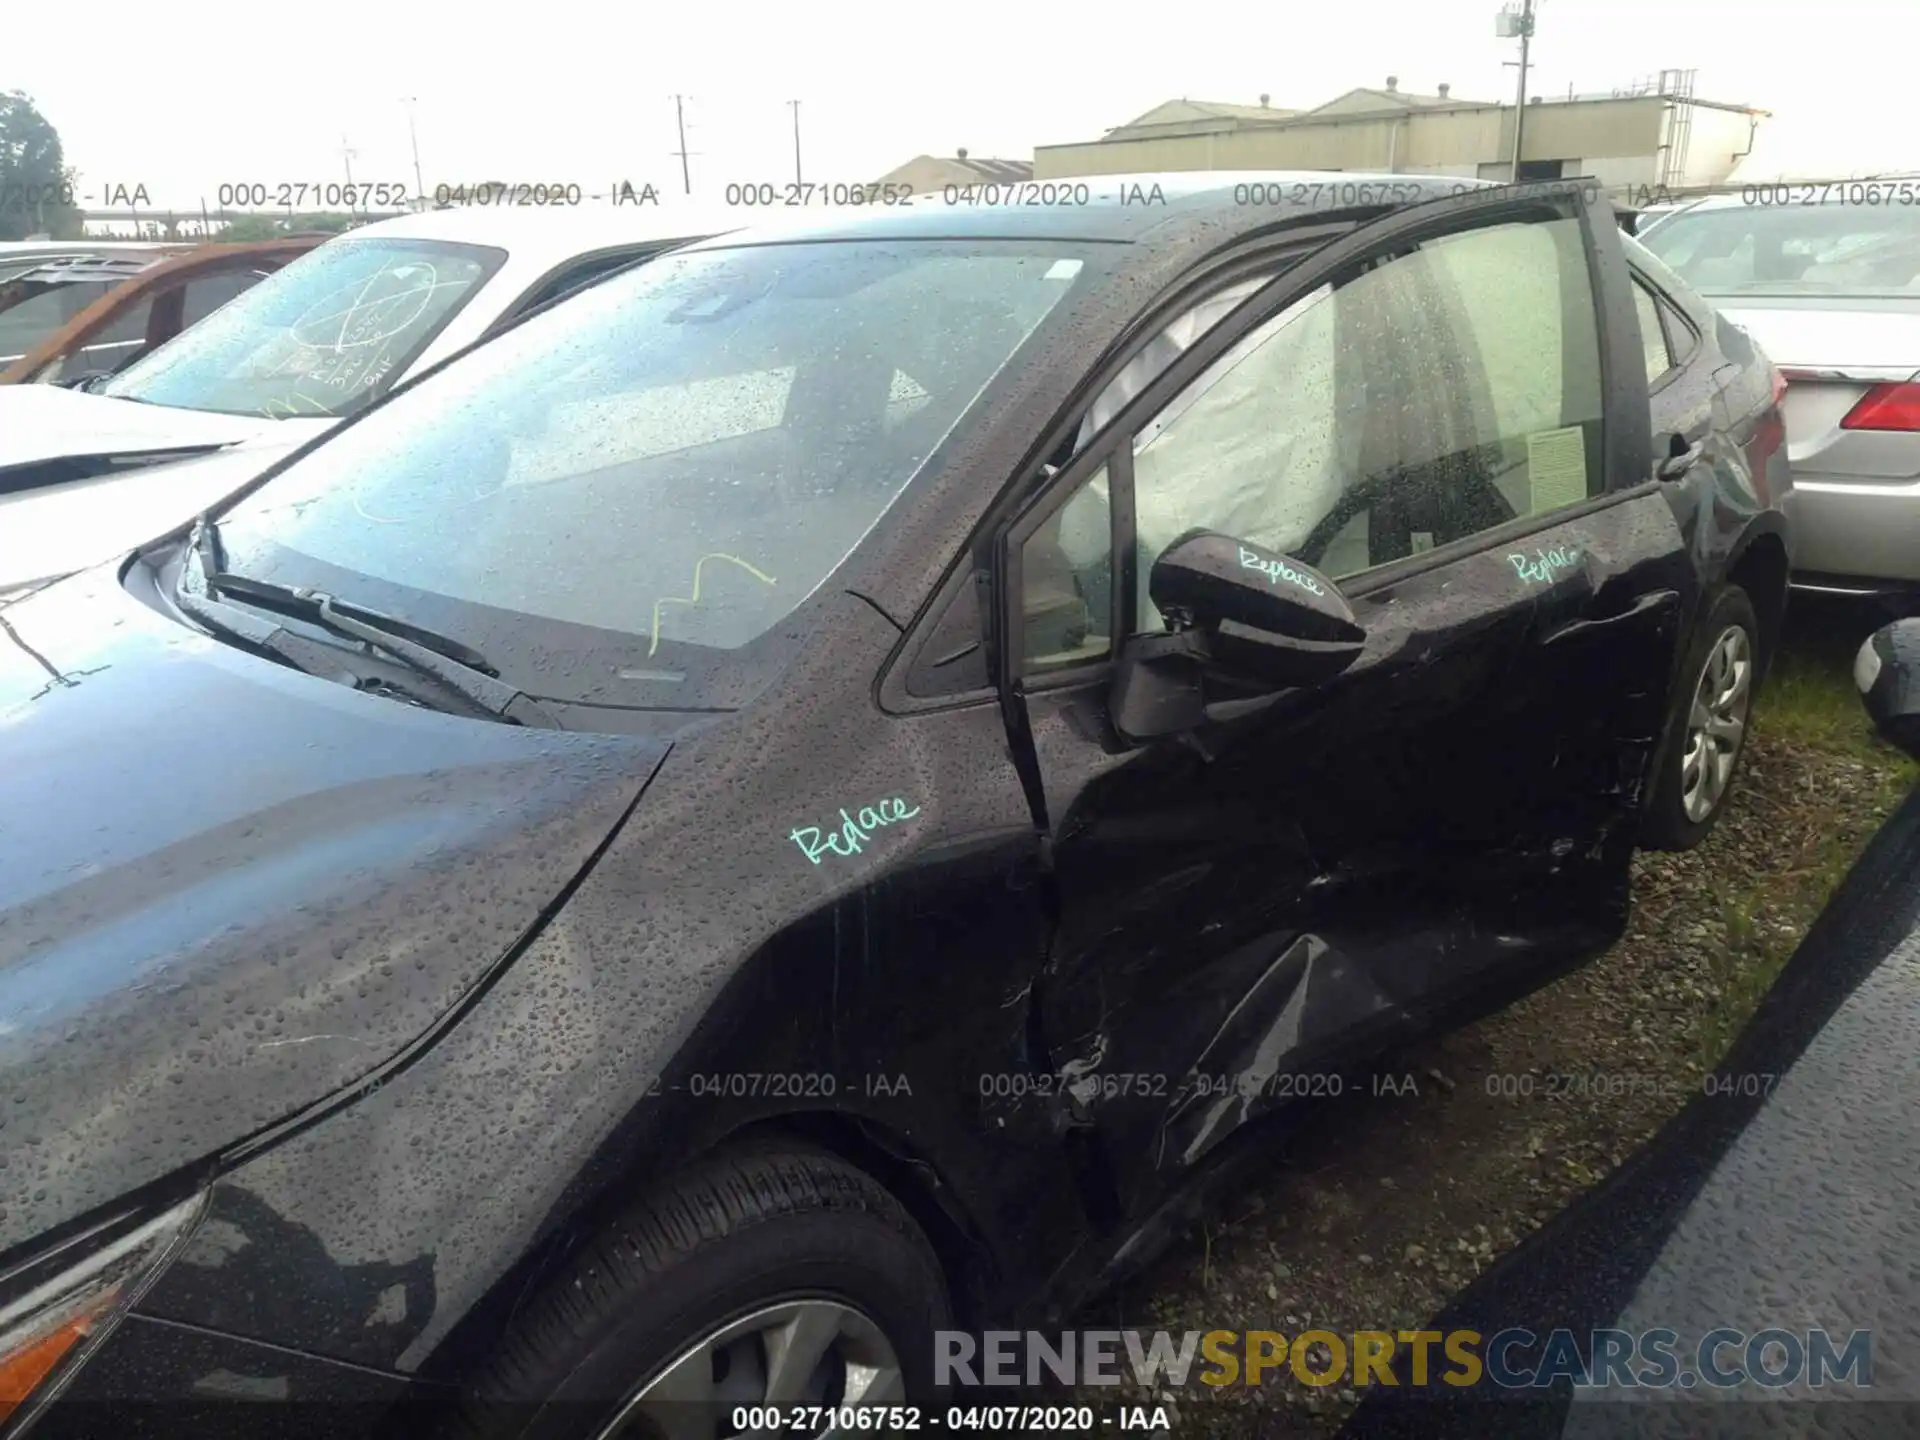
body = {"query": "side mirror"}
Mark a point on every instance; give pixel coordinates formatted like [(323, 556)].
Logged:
[(1887, 672), (1265, 616), (1239, 615)]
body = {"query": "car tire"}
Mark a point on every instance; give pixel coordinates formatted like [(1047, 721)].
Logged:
[(1700, 759), (775, 1249)]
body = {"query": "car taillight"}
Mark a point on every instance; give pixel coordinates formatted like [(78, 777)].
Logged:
[(1886, 407)]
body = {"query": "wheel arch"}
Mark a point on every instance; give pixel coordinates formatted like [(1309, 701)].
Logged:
[(879, 1150), (913, 1178), (1759, 564)]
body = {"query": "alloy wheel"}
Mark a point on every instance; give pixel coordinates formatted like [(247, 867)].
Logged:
[(796, 1357), (1717, 723)]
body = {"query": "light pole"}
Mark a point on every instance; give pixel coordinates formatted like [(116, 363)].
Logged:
[(1507, 25), (419, 185), (796, 140), (680, 126)]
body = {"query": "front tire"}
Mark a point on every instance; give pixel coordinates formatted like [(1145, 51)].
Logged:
[(786, 1278), (1707, 729)]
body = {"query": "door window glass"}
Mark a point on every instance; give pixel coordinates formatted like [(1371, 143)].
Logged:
[(1435, 394)]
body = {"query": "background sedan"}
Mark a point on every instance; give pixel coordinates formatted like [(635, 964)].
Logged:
[(1832, 290)]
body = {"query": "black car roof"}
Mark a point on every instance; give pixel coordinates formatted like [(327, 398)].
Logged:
[(1114, 209)]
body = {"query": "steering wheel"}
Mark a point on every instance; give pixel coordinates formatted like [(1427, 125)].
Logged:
[(1394, 496)]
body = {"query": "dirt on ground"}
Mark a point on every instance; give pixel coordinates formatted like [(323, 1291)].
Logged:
[(1386, 1205)]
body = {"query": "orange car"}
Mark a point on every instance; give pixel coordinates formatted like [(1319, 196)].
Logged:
[(68, 311)]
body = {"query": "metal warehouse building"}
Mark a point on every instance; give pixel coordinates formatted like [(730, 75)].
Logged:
[(1654, 134)]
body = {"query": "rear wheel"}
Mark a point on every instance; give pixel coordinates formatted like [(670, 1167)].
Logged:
[(784, 1279), (1707, 730)]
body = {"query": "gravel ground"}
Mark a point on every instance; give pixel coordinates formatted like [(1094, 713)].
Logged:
[(1383, 1207)]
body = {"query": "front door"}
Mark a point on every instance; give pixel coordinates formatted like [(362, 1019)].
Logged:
[(1427, 412)]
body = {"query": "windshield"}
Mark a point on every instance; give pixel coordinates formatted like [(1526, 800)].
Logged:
[(622, 499), (322, 336), (1830, 249)]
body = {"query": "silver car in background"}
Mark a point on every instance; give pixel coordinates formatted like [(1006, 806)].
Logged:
[(1827, 279)]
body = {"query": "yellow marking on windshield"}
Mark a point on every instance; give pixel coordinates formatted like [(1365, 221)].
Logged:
[(694, 599)]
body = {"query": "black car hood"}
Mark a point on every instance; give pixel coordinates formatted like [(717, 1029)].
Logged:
[(228, 889)]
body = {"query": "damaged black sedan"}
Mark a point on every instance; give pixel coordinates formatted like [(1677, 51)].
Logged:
[(803, 797)]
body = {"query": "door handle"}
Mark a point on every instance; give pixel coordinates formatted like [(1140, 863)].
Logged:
[(1675, 466)]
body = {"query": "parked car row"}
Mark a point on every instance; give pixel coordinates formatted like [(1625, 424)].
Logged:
[(44, 285), (280, 365), (587, 880), (71, 313)]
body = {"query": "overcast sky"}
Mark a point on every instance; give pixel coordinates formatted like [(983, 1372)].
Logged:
[(184, 97)]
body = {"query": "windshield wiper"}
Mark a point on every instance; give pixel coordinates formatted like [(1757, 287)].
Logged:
[(458, 667), (263, 635)]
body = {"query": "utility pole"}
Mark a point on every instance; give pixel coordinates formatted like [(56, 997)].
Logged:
[(795, 106), (680, 122), (1521, 25), (419, 185)]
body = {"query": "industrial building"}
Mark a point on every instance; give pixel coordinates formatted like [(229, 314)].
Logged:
[(930, 174), (1654, 135)]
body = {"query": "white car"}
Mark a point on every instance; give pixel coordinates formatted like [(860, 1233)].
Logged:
[(89, 473)]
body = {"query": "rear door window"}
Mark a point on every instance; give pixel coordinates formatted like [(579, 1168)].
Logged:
[(1653, 334)]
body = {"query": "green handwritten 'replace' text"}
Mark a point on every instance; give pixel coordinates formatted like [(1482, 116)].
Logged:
[(854, 830)]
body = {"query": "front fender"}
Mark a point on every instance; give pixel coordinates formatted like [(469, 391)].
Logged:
[(705, 943)]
